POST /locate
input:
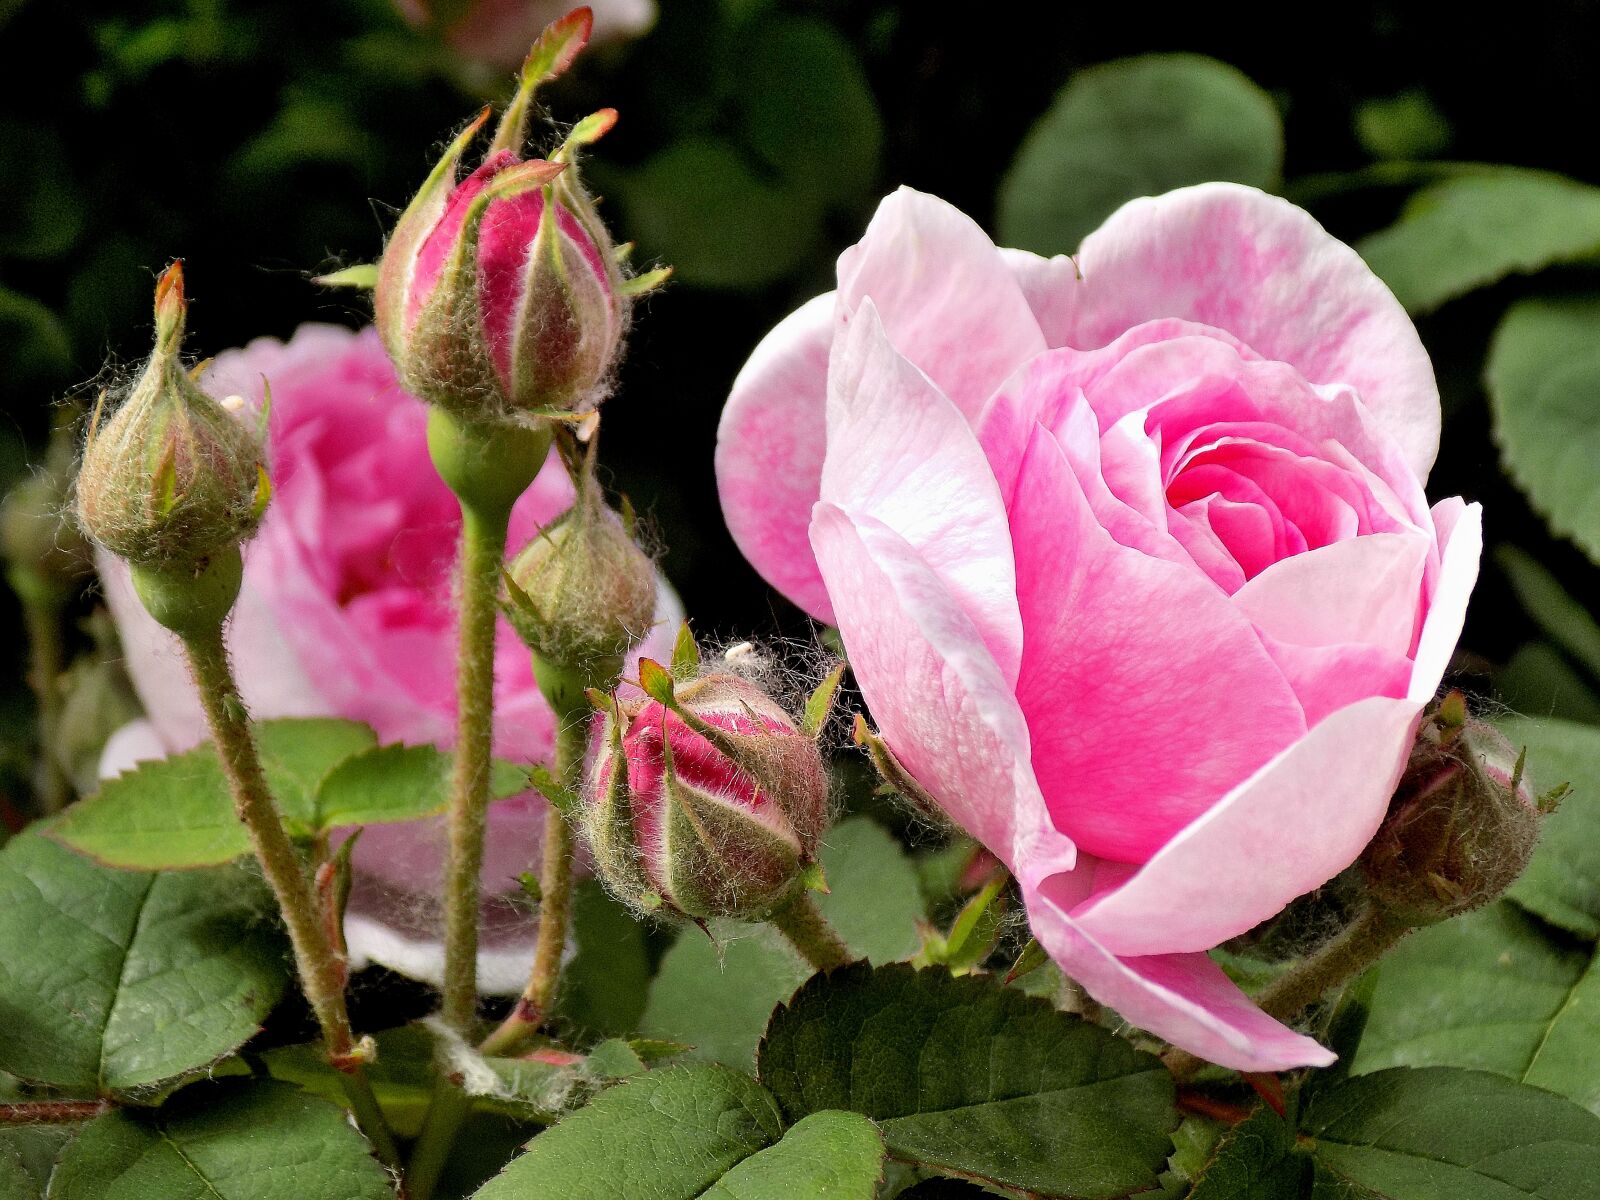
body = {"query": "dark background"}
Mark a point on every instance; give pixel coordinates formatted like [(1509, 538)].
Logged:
[(261, 140)]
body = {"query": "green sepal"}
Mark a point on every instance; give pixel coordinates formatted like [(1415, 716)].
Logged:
[(657, 683), (685, 655), (819, 705), (362, 275)]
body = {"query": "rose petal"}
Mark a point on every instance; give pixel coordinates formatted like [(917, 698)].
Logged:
[(770, 447), (1184, 998), (947, 298), (1265, 271), (899, 450), (1051, 288), (1147, 693), (1291, 827), (939, 698), (1461, 538)]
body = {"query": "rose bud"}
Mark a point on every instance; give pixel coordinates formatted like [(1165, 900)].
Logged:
[(500, 295), (171, 477), (704, 800), (582, 593), (1463, 823), (46, 556)]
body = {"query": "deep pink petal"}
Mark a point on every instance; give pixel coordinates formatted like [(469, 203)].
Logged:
[(1290, 828), (1148, 694), (1266, 272), (946, 296), (1327, 678), (940, 700), (899, 451), (1460, 530), (1183, 998), (770, 447)]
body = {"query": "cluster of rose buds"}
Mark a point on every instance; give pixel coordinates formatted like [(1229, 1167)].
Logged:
[(705, 799), (1463, 822), (501, 296)]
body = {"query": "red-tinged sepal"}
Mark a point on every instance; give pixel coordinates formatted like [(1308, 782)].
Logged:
[(555, 49)]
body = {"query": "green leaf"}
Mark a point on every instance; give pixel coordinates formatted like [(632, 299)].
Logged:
[(700, 206), (1135, 127), (27, 1157), (324, 773), (603, 988), (1255, 1160), (1562, 882), (716, 995), (837, 1155), (1493, 991), (807, 110), (966, 1075), (115, 981), (402, 1075), (1568, 623), (253, 1141), (1543, 377), (1437, 1132), (664, 1135), (1407, 126), (1467, 233)]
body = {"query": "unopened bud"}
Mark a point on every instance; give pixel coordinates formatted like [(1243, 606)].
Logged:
[(582, 593), (170, 478), (1461, 827), (710, 806), (44, 550), (499, 296)]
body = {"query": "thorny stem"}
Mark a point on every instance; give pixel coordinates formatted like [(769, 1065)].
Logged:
[(483, 542), (555, 901), (321, 967), (43, 619), (808, 931), (1362, 943)]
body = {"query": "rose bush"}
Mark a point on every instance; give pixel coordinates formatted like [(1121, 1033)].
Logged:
[(1131, 558), (346, 611)]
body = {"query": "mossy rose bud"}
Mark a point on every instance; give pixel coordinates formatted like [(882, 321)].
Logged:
[(499, 296), (582, 593), (711, 806), (171, 477), (1462, 826)]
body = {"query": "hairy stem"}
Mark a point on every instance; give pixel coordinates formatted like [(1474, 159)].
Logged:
[(447, 1109), (483, 542), (321, 967), (52, 1112), (802, 922), (555, 901), (42, 616)]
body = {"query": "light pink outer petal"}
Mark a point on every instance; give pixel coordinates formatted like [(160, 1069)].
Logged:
[(502, 969), (901, 452), (770, 446), (1184, 998), (1266, 272), (1051, 286), (1460, 528), (1291, 827), (947, 298), (132, 744), (939, 698)]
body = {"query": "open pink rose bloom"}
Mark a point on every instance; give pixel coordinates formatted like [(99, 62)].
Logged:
[(1131, 558), (346, 611)]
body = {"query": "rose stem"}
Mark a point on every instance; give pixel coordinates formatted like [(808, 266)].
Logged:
[(555, 897), (43, 616), (1362, 943), (802, 922), (321, 967)]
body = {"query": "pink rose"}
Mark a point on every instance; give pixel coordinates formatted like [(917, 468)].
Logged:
[(346, 611), (1131, 559)]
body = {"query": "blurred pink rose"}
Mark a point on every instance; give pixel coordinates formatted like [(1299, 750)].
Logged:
[(499, 32), (1131, 559), (346, 611)]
